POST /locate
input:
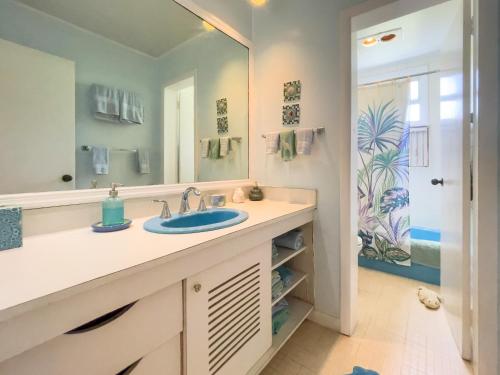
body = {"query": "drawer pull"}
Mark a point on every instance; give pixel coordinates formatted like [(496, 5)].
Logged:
[(102, 320), (129, 369)]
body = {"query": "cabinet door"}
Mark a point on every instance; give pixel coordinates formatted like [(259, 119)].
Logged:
[(228, 314)]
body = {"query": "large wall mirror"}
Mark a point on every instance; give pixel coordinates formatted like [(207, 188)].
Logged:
[(100, 91)]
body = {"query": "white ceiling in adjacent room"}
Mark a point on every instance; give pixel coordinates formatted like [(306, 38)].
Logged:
[(422, 33), (153, 27)]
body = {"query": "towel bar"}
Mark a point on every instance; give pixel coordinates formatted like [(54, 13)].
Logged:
[(236, 139), (89, 148), (318, 131)]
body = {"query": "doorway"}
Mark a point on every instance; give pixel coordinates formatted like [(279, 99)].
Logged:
[(409, 105), (180, 132)]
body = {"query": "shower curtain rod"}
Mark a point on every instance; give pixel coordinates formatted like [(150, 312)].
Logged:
[(398, 78)]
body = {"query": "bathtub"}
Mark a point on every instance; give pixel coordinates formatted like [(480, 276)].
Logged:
[(428, 234)]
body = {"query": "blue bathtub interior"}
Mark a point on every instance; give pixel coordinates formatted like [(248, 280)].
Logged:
[(425, 249)]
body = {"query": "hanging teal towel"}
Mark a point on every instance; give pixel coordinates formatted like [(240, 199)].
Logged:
[(214, 148), (287, 145)]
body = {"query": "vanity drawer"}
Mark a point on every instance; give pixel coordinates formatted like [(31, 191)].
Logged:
[(166, 360), (108, 344)]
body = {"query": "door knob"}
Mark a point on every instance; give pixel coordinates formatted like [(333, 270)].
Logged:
[(435, 181), (67, 178), (197, 287)]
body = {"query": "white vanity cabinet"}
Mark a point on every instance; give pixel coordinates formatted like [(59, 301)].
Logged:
[(111, 343), (227, 314)]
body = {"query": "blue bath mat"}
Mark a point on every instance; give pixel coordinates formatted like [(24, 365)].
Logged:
[(361, 371)]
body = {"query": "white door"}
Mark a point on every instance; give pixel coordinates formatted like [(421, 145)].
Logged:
[(37, 121), (455, 184), (228, 315)]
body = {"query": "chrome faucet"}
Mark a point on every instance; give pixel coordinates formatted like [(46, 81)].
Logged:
[(165, 212), (185, 200)]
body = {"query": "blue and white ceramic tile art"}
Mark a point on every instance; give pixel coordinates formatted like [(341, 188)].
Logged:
[(11, 235)]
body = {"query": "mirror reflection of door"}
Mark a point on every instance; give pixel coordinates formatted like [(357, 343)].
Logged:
[(179, 132)]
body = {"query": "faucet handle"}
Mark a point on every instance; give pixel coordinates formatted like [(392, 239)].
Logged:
[(165, 212), (202, 206)]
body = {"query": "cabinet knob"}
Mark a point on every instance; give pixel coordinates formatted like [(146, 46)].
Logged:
[(67, 178), (197, 287)]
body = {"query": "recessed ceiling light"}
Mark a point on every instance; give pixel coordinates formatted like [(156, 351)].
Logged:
[(388, 37), (258, 3), (207, 26), (369, 42)]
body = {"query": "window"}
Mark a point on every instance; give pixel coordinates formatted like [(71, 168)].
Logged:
[(416, 113)]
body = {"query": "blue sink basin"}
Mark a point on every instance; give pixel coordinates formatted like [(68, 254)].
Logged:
[(194, 222)]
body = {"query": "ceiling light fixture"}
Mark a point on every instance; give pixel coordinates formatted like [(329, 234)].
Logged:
[(388, 37), (369, 42), (258, 3)]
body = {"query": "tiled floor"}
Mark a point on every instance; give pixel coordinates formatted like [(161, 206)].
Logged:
[(396, 334)]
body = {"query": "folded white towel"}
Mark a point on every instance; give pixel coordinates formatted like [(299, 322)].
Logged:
[(100, 159), (205, 143), (106, 103), (304, 139), (144, 160), (131, 108), (272, 142), (225, 146)]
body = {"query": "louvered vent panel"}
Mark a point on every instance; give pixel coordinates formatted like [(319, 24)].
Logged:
[(233, 316)]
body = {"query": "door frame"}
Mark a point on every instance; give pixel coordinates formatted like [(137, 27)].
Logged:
[(485, 220), (175, 84)]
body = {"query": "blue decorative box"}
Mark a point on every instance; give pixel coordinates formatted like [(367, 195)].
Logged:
[(11, 234)]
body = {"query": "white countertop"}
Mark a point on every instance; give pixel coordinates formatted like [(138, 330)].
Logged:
[(51, 263)]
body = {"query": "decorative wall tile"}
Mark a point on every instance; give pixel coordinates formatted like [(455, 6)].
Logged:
[(222, 125), (291, 114), (10, 228), (222, 107), (291, 91)]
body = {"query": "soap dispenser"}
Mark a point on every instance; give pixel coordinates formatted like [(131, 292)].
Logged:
[(112, 208)]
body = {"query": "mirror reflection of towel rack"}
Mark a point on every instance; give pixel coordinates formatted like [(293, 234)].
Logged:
[(236, 139), (317, 131), (89, 148)]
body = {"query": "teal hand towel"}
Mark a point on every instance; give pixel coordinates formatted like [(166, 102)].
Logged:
[(214, 148), (287, 145)]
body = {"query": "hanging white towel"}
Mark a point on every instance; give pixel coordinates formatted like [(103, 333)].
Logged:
[(100, 159), (106, 103), (304, 139), (131, 108), (205, 143), (225, 146), (272, 142), (144, 160)]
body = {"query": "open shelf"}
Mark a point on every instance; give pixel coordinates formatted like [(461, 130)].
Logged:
[(284, 255), (297, 278), (299, 311)]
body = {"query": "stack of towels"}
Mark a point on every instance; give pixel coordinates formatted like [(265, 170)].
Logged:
[(290, 142), (281, 278), (117, 105), (277, 285), (280, 315), (215, 148), (292, 240)]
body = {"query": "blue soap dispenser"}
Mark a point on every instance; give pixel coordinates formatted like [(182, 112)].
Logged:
[(112, 208)]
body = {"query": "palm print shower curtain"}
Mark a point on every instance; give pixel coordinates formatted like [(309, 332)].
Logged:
[(383, 173)]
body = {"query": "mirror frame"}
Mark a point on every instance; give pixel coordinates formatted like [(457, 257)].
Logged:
[(72, 197)]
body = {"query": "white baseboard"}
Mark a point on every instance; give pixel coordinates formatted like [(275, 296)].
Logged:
[(325, 320)]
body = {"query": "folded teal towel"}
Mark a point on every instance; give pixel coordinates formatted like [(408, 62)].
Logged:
[(286, 275), (292, 240), (275, 277), (361, 371), (277, 289), (279, 319), (287, 145), (275, 250), (214, 148)]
